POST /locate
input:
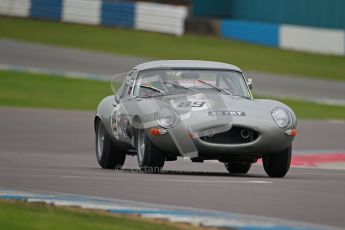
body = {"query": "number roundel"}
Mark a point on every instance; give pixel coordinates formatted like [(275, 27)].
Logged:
[(196, 104)]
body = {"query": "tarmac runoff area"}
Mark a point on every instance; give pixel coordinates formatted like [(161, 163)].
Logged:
[(52, 152)]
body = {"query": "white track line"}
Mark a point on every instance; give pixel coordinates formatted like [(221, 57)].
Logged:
[(241, 181)]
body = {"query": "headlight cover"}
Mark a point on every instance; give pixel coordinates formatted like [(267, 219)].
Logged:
[(282, 117), (166, 118)]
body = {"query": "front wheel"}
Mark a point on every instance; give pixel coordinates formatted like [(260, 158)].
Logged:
[(150, 158), (108, 155), (237, 168), (277, 164)]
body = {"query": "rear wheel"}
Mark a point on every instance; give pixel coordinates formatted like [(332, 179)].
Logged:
[(237, 167), (108, 155), (277, 164), (150, 158)]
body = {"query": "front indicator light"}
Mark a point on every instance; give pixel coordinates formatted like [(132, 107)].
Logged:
[(157, 131), (291, 132)]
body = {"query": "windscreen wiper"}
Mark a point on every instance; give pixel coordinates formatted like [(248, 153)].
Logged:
[(241, 96), (226, 92), (157, 93)]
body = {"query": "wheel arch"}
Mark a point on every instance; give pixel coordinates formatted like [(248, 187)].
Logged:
[(104, 110), (95, 122)]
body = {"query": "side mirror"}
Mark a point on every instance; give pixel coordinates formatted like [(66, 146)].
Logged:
[(250, 83)]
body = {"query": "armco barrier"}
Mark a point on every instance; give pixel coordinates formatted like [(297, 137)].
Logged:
[(253, 32), (46, 9), (18, 8), (314, 40), (326, 41), (156, 17), (160, 17), (82, 11), (117, 13)]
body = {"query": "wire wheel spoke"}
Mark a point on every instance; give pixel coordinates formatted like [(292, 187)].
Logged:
[(100, 140), (141, 145)]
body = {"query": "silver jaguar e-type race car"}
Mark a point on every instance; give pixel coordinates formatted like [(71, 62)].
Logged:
[(197, 109)]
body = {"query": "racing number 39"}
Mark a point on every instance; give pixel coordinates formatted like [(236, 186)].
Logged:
[(191, 104)]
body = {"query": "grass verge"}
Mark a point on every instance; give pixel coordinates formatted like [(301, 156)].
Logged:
[(25, 216), (311, 110), (42, 91), (153, 45)]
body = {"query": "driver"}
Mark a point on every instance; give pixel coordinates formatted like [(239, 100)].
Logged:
[(154, 83)]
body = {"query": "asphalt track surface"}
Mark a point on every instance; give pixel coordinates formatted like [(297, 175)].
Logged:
[(24, 54), (53, 151)]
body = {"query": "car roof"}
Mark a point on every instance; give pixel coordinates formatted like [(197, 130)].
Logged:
[(186, 64)]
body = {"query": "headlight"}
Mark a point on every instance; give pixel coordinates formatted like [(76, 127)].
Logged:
[(166, 118), (282, 118)]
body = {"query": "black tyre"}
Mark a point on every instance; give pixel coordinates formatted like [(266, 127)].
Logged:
[(237, 167), (277, 164), (150, 158), (108, 155)]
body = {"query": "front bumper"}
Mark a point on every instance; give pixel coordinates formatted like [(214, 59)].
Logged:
[(271, 139)]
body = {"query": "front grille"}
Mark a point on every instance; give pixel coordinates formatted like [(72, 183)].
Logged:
[(233, 136)]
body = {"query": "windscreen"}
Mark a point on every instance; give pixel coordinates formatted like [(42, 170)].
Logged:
[(179, 81)]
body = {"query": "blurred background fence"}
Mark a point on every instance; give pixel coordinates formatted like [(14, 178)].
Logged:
[(307, 25), (313, 13)]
